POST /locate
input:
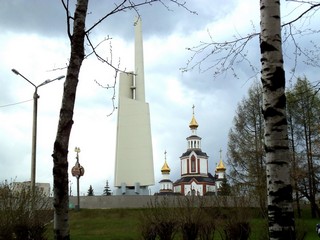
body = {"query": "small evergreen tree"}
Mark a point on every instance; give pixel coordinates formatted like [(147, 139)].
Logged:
[(90, 191), (225, 188), (107, 191)]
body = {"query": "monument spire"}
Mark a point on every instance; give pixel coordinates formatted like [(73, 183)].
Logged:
[(138, 61), (134, 143)]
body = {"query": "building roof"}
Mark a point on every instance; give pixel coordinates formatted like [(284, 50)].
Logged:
[(200, 179), (197, 151), (165, 180), (194, 137)]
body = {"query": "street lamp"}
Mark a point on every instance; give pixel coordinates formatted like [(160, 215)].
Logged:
[(77, 171), (34, 125)]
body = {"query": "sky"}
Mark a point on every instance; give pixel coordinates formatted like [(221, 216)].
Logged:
[(34, 41)]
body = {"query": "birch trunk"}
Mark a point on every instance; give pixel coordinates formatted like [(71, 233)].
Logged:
[(280, 210), (61, 144)]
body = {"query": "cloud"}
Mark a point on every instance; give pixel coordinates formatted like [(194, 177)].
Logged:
[(34, 41)]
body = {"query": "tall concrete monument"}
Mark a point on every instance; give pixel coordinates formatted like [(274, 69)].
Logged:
[(134, 171)]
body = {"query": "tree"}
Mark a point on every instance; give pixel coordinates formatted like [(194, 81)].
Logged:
[(246, 155), (90, 191), (229, 55), (106, 190), (78, 35), (61, 144), (280, 209), (225, 188), (303, 112)]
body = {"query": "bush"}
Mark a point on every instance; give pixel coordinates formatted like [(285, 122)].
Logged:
[(159, 220), (187, 215), (22, 214), (237, 231)]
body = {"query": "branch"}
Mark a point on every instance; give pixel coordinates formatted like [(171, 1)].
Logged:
[(66, 7), (231, 51), (303, 13), (110, 64), (224, 56), (131, 5)]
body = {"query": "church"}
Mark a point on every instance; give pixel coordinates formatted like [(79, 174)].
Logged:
[(195, 177)]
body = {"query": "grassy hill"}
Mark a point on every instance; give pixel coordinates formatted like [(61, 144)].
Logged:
[(124, 224)]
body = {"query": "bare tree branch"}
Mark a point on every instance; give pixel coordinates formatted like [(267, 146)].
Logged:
[(224, 56), (69, 18), (133, 5)]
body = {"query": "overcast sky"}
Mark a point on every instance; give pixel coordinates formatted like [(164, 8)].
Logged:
[(33, 40)]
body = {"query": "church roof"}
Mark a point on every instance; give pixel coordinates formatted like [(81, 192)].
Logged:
[(194, 137), (165, 180), (200, 179), (197, 151)]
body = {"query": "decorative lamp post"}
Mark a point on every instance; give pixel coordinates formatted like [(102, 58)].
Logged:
[(77, 171), (34, 125)]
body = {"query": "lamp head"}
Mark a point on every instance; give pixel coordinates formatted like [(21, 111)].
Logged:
[(15, 71)]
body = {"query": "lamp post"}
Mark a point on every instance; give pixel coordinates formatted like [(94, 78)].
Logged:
[(77, 171), (34, 124)]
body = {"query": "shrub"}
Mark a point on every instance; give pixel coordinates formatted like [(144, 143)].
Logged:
[(23, 215), (159, 220), (164, 218)]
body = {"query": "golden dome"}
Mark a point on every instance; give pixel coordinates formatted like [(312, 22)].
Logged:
[(220, 167), (193, 124), (165, 168)]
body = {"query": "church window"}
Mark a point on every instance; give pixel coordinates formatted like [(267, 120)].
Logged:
[(193, 164)]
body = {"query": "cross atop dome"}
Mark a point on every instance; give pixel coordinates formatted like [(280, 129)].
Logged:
[(165, 168), (193, 123), (220, 167)]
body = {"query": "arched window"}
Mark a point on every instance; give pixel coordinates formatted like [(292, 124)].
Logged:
[(193, 163)]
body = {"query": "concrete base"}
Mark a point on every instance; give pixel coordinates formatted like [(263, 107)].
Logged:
[(137, 190)]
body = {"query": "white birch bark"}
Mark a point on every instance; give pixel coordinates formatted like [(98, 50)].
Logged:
[(280, 211)]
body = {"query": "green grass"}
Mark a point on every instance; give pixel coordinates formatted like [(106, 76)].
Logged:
[(100, 224), (123, 224)]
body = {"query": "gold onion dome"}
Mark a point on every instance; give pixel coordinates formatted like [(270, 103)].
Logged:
[(165, 167), (221, 167), (193, 124)]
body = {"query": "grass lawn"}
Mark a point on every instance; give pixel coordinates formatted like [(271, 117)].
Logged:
[(100, 224), (123, 224)]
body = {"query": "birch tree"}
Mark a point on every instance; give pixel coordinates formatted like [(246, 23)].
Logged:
[(280, 210), (78, 34), (225, 56)]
